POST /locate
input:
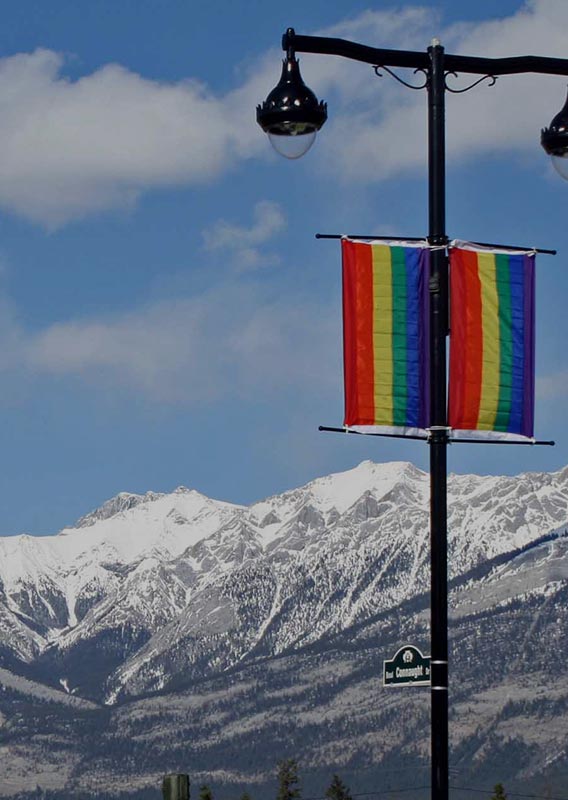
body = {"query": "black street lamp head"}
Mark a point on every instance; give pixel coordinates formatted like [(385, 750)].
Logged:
[(554, 139), (291, 114)]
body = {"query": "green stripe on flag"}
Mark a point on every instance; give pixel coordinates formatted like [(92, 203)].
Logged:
[(503, 279), (399, 342)]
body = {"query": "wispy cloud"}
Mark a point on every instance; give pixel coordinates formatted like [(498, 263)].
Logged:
[(246, 244), (232, 341)]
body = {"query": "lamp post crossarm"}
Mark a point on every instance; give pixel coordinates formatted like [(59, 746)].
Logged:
[(412, 59), (326, 45), (517, 65)]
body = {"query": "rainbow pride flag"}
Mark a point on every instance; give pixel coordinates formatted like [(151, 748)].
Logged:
[(385, 335), (491, 386)]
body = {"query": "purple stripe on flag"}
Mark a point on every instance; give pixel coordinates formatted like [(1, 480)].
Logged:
[(529, 304)]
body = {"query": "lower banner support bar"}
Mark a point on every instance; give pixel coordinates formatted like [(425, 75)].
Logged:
[(385, 435), (425, 438)]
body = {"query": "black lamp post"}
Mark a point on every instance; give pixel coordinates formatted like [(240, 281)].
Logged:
[(291, 113)]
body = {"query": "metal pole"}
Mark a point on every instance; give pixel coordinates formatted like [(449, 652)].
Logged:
[(175, 786), (438, 422), (435, 63)]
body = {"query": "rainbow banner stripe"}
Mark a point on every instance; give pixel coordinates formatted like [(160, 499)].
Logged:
[(385, 341), (492, 337)]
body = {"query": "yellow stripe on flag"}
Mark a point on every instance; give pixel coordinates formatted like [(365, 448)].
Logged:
[(382, 334), (491, 362)]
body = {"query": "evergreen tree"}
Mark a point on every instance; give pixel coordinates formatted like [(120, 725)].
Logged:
[(205, 792), (337, 790), (288, 781), (498, 792)]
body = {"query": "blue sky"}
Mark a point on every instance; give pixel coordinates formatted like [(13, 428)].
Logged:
[(166, 315)]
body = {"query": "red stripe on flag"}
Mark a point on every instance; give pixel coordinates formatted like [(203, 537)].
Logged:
[(358, 354), (457, 342), (466, 357)]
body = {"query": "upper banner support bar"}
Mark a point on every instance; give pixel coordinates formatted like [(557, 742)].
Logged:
[(422, 239)]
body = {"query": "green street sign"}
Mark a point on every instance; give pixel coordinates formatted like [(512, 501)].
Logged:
[(408, 668)]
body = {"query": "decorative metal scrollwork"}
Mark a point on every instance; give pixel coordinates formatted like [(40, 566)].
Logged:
[(380, 67), (492, 78)]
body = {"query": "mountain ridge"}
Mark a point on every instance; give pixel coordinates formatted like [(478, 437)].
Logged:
[(166, 595)]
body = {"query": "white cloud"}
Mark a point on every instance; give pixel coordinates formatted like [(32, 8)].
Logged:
[(72, 147), (68, 148), (388, 136), (244, 244)]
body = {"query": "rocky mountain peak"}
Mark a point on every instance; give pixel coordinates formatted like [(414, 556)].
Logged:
[(123, 501)]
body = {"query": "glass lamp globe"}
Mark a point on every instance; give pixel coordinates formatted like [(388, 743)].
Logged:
[(292, 145), (560, 164)]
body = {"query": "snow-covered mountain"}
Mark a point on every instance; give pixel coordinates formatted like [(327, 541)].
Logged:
[(162, 593), (163, 586)]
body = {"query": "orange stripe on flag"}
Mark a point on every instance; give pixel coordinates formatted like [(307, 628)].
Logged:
[(458, 338), (473, 354)]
